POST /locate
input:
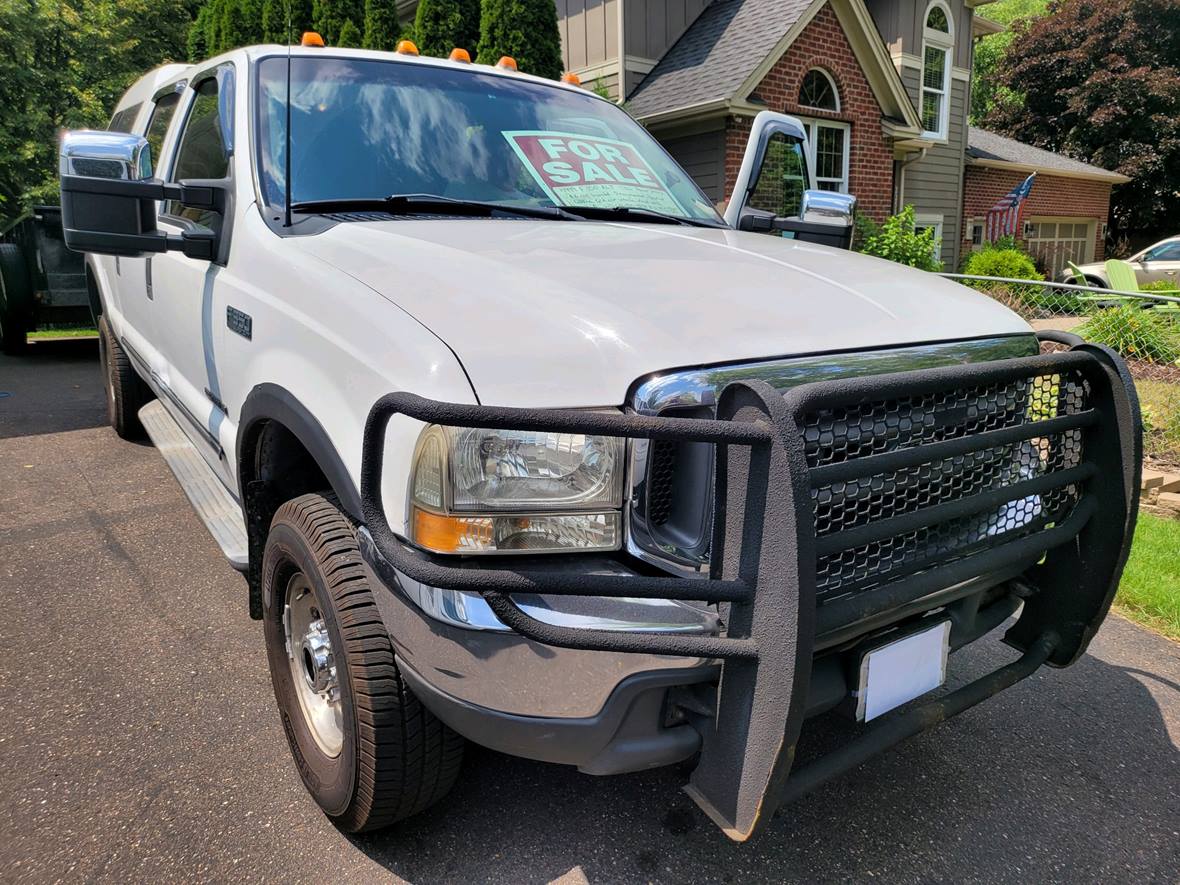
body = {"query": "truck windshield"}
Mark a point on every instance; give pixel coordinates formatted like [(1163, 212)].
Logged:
[(364, 129)]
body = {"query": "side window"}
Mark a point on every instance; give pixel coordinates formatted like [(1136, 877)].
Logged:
[(1166, 252), (124, 120), (162, 115), (202, 152)]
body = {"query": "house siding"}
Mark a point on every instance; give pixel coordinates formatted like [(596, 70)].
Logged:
[(902, 24), (823, 44), (702, 155), (1052, 196), (934, 184), (651, 26), (589, 33)]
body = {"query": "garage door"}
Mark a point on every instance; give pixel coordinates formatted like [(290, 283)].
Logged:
[(1056, 241)]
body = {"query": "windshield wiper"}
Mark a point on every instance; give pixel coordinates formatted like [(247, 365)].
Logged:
[(633, 213), (409, 204)]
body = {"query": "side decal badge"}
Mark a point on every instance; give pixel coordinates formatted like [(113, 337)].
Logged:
[(239, 322)]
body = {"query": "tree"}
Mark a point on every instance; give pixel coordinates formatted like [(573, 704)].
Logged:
[(329, 16), (350, 35), (63, 65), (1100, 82), (526, 30), (441, 25), (274, 22), (382, 28), (197, 43), (990, 49)]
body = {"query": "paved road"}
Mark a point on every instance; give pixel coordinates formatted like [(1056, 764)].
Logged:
[(138, 738)]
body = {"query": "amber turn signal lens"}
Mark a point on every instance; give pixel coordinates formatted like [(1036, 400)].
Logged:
[(458, 54), (507, 62), (407, 47), (571, 78), (311, 38)]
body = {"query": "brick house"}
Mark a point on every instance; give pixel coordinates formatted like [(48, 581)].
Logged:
[(881, 85), (1065, 217)]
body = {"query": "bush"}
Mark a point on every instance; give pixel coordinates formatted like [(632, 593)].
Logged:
[(1162, 287), (1001, 259), (897, 240), (1135, 333)]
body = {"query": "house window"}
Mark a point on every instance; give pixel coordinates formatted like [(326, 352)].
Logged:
[(937, 44), (976, 233), (818, 91), (931, 222), (827, 153), (1057, 241)]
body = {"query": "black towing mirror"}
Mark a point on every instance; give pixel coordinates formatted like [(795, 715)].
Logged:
[(108, 198)]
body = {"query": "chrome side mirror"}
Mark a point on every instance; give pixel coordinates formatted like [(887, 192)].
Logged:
[(827, 207), (111, 155), (108, 198)]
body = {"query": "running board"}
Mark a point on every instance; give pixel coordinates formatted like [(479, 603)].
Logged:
[(221, 514)]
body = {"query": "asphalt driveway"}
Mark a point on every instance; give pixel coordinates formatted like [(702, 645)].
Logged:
[(139, 740)]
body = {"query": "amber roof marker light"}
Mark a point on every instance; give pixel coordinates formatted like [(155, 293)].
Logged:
[(406, 47), (460, 54), (311, 38), (507, 63), (571, 78)]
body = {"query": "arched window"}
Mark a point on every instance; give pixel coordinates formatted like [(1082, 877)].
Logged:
[(937, 57), (818, 90)]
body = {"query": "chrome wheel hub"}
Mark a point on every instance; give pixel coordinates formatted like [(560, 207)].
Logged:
[(313, 666)]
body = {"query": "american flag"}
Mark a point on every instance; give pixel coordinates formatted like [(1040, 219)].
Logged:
[(1003, 219)]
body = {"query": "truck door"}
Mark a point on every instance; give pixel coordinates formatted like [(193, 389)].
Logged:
[(133, 275), (185, 290)]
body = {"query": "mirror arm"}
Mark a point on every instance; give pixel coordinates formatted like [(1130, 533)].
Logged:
[(197, 194)]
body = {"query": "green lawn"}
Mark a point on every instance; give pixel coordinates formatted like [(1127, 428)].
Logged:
[(66, 332), (1150, 590)]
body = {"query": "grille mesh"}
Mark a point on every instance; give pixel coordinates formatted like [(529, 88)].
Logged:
[(844, 434)]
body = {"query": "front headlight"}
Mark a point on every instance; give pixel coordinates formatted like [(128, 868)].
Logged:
[(513, 491)]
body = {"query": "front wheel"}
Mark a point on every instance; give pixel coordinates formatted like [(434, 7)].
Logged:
[(126, 392), (369, 753)]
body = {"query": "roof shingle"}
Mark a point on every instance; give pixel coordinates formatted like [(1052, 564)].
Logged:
[(728, 40), (984, 145)]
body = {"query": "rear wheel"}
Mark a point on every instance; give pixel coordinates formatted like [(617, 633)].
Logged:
[(126, 392), (16, 297), (369, 753)]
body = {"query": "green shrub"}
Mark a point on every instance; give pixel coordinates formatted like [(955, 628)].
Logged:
[(1135, 333), (897, 240), (1163, 287), (381, 29), (1001, 259)]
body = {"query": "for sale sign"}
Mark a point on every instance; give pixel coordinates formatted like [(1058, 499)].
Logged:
[(585, 170)]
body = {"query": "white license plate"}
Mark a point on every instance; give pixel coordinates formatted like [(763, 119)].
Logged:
[(896, 673)]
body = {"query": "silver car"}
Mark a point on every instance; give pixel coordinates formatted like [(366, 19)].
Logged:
[(1158, 262)]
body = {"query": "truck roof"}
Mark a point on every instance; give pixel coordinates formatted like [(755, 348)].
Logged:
[(146, 86)]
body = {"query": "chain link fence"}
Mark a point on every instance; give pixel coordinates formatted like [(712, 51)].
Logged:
[(1144, 327)]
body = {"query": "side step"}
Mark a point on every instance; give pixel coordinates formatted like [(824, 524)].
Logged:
[(221, 514)]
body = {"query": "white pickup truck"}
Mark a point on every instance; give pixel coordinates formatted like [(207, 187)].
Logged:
[(516, 440)]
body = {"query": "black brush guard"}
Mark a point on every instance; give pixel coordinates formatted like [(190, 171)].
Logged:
[(765, 550)]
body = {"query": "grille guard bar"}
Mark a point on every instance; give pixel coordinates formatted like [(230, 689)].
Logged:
[(765, 548)]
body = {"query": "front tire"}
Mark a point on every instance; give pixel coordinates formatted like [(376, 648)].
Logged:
[(369, 753), (125, 391)]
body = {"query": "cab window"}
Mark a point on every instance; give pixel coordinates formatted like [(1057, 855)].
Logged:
[(162, 115), (124, 120), (202, 151)]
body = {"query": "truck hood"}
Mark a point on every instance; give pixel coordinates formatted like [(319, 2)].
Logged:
[(544, 313)]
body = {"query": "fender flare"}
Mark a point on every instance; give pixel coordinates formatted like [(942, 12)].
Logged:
[(271, 402)]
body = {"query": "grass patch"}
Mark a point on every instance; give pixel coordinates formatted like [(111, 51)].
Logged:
[(1160, 402), (65, 332), (1150, 589)]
